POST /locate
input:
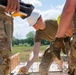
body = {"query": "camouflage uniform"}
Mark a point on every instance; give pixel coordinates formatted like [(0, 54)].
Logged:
[(46, 61), (6, 30), (48, 57), (73, 56), (73, 50)]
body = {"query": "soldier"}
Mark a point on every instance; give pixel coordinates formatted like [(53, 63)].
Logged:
[(6, 31), (44, 30), (65, 22), (72, 67)]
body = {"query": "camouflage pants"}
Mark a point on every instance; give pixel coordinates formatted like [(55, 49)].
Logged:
[(73, 56), (48, 58), (46, 61), (5, 42)]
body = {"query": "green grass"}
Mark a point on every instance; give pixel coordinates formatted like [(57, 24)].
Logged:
[(25, 51)]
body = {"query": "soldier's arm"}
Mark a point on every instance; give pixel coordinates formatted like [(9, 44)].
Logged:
[(35, 53), (33, 57), (66, 17), (65, 21)]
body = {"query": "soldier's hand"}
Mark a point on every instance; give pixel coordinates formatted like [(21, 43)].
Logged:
[(23, 70), (57, 46), (13, 6)]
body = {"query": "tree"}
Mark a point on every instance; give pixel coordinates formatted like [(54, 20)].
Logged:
[(45, 42), (15, 41), (30, 38)]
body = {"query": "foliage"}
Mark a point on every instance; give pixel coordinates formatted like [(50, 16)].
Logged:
[(15, 41), (28, 41), (30, 38), (45, 42)]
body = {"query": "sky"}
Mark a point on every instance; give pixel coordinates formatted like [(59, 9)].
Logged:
[(49, 9)]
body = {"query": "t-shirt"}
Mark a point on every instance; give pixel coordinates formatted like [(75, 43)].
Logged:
[(48, 33)]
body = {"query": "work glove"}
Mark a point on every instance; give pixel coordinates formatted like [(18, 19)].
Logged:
[(57, 46), (20, 72)]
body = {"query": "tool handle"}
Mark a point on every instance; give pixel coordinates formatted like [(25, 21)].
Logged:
[(25, 9)]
